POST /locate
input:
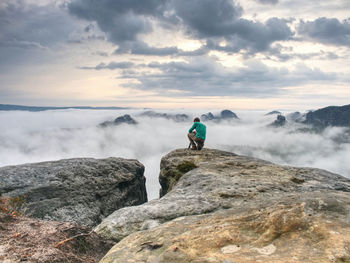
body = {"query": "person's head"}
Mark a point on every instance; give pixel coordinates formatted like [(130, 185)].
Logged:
[(196, 120)]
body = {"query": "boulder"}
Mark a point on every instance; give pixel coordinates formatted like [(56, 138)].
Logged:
[(127, 119), (81, 190), (222, 207), (329, 116)]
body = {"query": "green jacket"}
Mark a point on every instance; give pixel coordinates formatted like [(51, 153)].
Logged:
[(200, 128)]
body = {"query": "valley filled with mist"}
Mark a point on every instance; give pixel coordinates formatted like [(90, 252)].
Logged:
[(28, 137)]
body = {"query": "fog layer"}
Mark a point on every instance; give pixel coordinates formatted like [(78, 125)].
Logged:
[(51, 135)]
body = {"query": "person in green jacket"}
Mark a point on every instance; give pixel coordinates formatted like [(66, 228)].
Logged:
[(197, 134)]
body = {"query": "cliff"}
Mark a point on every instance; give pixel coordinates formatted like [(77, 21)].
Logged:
[(80, 190), (221, 207)]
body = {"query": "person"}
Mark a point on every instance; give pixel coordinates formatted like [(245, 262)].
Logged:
[(197, 134)]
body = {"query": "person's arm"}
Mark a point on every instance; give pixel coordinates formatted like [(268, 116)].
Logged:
[(193, 127)]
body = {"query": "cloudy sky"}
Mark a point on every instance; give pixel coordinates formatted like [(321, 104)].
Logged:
[(247, 54)]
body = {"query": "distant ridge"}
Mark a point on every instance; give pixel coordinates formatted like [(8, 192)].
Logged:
[(8, 107)]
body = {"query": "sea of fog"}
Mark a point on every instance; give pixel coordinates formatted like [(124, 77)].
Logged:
[(27, 137)]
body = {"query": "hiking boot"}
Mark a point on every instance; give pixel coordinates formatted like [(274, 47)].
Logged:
[(193, 148)]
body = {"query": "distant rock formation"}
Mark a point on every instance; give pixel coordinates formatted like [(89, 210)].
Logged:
[(174, 117), (222, 207), (224, 115), (329, 116), (227, 114), (279, 122), (296, 117), (207, 117), (81, 190), (274, 112), (119, 120)]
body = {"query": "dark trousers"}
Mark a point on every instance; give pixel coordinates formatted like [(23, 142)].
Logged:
[(196, 143)]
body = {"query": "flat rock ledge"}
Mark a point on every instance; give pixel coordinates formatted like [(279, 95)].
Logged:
[(80, 190), (228, 208)]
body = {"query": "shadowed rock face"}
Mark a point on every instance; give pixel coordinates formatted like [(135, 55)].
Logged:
[(81, 190), (230, 208), (329, 116)]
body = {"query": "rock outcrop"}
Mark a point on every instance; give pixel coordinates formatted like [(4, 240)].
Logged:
[(329, 116), (222, 207), (125, 119), (279, 122), (81, 190), (224, 115)]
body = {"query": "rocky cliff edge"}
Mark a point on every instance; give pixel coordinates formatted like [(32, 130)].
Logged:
[(221, 207)]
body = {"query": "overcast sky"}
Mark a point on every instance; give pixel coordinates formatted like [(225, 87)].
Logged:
[(248, 54)]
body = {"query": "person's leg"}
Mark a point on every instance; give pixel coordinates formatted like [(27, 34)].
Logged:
[(200, 143), (191, 136)]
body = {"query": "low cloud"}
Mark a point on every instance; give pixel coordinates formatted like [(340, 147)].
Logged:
[(326, 31), (111, 65), (74, 133), (206, 77)]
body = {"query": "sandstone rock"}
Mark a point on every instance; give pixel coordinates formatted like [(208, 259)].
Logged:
[(232, 208), (32, 240), (81, 190)]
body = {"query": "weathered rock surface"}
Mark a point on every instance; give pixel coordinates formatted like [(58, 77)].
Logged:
[(232, 208), (329, 116), (81, 190), (125, 119), (32, 240)]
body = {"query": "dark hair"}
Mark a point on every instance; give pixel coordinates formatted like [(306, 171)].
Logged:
[(196, 120)]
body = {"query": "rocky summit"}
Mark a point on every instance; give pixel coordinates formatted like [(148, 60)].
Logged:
[(81, 190), (221, 207)]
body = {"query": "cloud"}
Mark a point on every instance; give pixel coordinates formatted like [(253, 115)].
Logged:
[(142, 48), (326, 31), (271, 2), (112, 65), (203, 76), (122, 20), (125, 22)]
